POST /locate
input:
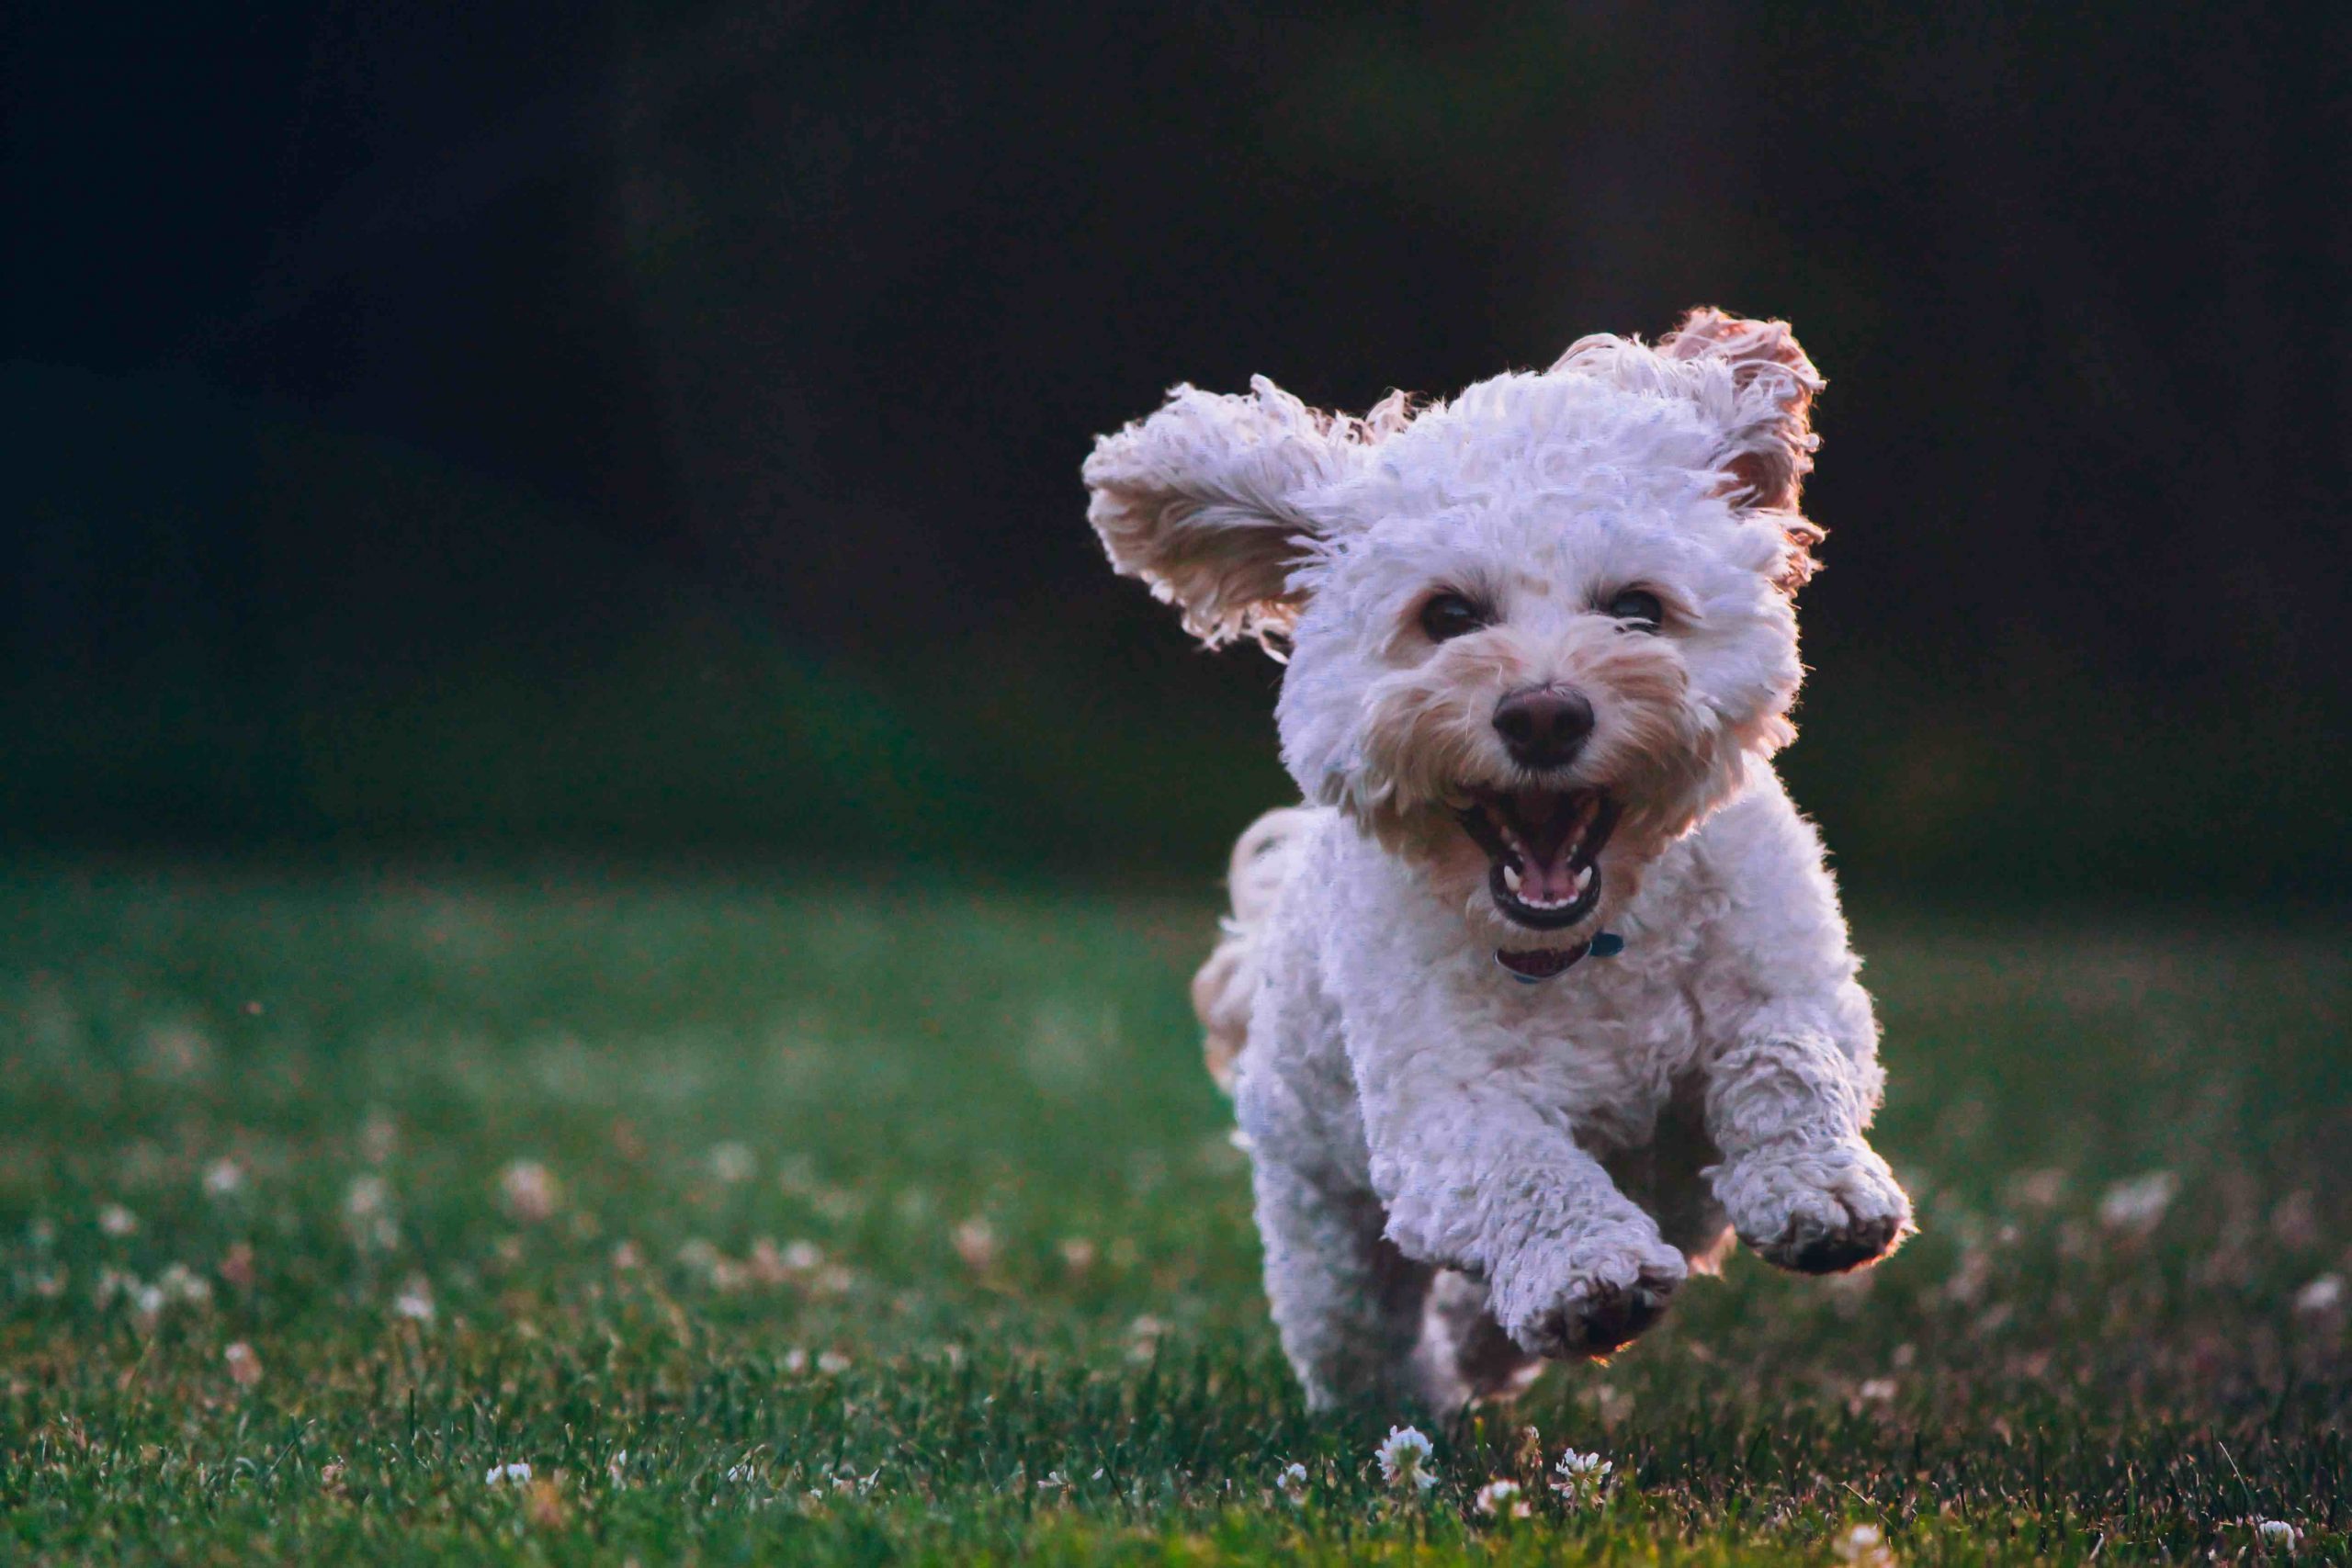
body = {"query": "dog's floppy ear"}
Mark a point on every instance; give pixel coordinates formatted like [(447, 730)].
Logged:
[(1202, 501), (1769, 439)]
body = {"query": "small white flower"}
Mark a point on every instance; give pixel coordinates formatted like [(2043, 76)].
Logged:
[(415, 1303), (180, 1283), (506, 1474), (2321, 1297), (116, 1220), (975, 1241), (2278, 1533), (244, 1367), (2134, 1208), (831, 1362), (1291, 1482), (368, 1213), (367, 1197), (225, 1179), (1580, 1479), (733, 1164), (1501, 1500), (1405, 1458), (1864, 1546), (530, 1191)]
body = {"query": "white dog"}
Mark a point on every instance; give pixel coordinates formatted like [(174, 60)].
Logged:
[(1547, 993)]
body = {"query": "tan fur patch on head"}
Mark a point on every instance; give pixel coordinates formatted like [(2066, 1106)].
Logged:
[(1776, 452), (1202, 501)]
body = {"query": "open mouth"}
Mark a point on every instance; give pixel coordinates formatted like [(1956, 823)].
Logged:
[(1544, 846)]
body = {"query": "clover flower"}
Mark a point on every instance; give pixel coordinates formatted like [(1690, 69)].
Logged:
[(2277, 1534), (2321, 1298), (368, 1213), (2136, 1207), (184, 1286), (975, 1241), (415, 1303), (1291, 1482), (1404, 1457), (1502, 1500), (244, 1367), (530, 1192), (1580, 1479), (1864, 1546)]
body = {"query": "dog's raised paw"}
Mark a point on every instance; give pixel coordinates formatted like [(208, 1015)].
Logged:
[(1837, 1250), (1602, 1301), (1818, 1210), (1611, 1316)]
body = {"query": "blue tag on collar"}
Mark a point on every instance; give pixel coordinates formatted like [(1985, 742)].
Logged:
[(1605, 944)]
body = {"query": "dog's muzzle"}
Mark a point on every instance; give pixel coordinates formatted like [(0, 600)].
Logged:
[(1544, 852)]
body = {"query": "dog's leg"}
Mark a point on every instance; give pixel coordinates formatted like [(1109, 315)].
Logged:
[(1347, 1303), (1790, 1074), (1477, 1179), (1802, 1188)]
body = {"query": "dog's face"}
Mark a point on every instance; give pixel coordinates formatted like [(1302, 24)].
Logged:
[(1535, 634)]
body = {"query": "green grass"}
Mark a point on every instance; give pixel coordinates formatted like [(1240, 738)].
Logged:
[(1026, 1306)]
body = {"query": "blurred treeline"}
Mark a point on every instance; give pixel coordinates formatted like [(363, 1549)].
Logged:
[(643, 427)]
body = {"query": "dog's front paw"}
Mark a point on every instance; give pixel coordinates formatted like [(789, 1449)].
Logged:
[(1819, 1210), (1592, 1296)]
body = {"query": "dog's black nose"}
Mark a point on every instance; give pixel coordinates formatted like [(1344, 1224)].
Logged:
[(1543, 727)]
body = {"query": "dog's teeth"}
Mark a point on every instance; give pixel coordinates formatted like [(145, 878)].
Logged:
[(1511, 879)]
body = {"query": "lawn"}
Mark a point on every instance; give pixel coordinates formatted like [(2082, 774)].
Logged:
[(766, 1221)]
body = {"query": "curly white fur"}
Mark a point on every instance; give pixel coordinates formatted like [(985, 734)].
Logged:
[(1457, 1173)]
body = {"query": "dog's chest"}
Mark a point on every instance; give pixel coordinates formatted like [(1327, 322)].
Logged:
[(1603, 1045)]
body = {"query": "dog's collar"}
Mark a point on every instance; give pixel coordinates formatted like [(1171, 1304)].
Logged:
[(1548, 963)]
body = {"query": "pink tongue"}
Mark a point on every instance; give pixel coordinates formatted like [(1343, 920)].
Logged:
[(1547, 882)]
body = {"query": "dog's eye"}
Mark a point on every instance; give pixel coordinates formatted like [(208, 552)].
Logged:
[(1450, 615), (1639, 606)]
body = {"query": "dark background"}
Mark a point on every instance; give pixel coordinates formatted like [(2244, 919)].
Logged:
[(636, 427)]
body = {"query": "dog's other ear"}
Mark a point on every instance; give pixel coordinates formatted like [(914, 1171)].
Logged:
[(1770, 439), (1202, 502)]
